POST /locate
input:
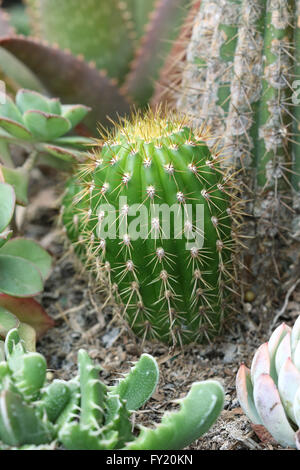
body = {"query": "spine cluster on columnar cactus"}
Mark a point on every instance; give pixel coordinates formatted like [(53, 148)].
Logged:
[(269, 393), (241, 75), (151, 212), (85, 414)]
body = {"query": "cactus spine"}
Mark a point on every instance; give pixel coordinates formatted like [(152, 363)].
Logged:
[(241, 76), (172, 280)]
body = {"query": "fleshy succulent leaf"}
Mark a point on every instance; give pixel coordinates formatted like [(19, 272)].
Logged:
[(19, 424), (7, 207), (296, 410), (8, 321), (162, 29), (55, 399), (118, 419), (245, 394), (27, 100), (261, 362), (77, 437), (295, 336), (283, 352), (138, 386), (273, 343), (85, 414), (76, 81), (19, 277), (28, 372), (63, 153), (109, 52), (28, 311), (13, 343), (19, 179), (271, 411), (198, 411), (14, 128), (30, 251), (288, 384), (28, 335), (75, 113), (46, 126), (10, 110), (276, 389), (92, 392)]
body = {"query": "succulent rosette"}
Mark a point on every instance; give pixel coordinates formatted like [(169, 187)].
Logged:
[(42, 122), (269, 393)]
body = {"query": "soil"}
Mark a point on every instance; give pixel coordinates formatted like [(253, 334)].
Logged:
[(85, 318)]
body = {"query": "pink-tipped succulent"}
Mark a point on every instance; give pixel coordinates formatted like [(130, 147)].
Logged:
[(269, 393)]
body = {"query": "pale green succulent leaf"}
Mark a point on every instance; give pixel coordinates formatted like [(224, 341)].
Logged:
[(198, 411), (288, 384), (8, 321), (19, 424), (28, 372), (55, 399), (93, 392), (28, 336), (7, 207), (10, 111), (75, 113), (30, 251), (271, 411), (15, 129), (139, 385), (19, 179), (19, 277), (75, 436), (27, 100), (46, 126)]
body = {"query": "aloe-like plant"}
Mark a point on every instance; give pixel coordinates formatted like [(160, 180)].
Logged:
[(269, 393), (150, 213), (41, 126), (24, 266), (107, 57), (85, 414)]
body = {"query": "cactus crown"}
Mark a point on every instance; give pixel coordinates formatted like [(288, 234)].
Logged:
[(269, 393), (170, 266), (83, 413)]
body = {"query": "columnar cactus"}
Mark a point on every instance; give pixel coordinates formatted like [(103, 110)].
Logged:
[(170, 266), (270, 393), (241, 76), (85, 414)]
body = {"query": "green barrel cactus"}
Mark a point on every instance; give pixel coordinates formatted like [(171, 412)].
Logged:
[(85, 414), (151, 214)]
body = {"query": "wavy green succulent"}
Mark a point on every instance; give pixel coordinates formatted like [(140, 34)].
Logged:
[(85, 414)]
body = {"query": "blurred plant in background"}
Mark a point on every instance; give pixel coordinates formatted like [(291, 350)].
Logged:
[(103, 54)]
